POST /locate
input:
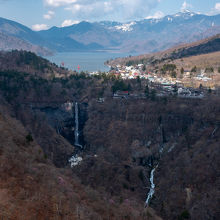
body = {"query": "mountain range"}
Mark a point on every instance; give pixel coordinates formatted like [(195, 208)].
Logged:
[(144, 36)]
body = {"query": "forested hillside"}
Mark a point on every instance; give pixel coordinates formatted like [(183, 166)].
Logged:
[(123, 139)]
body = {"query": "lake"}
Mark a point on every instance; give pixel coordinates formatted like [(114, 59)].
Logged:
[(88, 61)]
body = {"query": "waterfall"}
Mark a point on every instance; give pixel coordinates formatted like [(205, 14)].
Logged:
[(152, 187), (76, 132)]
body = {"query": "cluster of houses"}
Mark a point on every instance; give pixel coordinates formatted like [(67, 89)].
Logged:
[(202, 77), (129, 72), (179, 90), (162, 91), (132, 72), (163, 86)]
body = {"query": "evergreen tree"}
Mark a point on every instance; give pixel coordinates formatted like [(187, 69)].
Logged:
[(182, 71), (146, 91)]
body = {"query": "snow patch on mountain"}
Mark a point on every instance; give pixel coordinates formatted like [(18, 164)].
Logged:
[(125, 27), (185, 14)]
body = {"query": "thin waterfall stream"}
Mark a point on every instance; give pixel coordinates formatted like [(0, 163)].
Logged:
[(152, 187), (75, 159)]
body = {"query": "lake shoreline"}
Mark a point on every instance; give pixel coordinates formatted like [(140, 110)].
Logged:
[(86, 61)]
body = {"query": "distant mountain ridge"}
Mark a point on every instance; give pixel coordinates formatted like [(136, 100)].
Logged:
[(20, 31), (144, 36), (8, 43), (17, 36), (148, 35)]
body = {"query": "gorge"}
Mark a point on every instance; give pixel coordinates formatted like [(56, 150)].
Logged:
[(115, 174)]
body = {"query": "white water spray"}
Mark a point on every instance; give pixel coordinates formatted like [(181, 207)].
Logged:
[(152, 187)]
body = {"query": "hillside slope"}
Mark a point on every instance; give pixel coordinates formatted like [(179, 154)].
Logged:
[(17, 36), (8, 43), (31, 187), (28, 62), (205, 46), (202, 47), (123, 140)]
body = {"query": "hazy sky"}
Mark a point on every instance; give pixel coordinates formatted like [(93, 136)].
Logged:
[(42, 14)]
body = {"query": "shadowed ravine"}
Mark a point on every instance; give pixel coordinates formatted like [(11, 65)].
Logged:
[(76, 132)]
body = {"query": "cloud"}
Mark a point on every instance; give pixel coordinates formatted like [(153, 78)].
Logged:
[(217, 6), (40, 27), (69, 23), (49, 15), (215, 10), (57, 3), (185, 6), (105, 9), (157, 15)]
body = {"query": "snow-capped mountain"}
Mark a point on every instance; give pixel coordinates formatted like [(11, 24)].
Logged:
[(125, 27), (147, 35)]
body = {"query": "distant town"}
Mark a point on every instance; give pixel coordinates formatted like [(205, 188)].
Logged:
[(163, 84)]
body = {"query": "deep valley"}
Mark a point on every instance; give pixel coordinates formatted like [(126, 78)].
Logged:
[(125, 145)]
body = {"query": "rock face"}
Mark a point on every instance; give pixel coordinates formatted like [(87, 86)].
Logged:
[(62, 118), (54, 146)]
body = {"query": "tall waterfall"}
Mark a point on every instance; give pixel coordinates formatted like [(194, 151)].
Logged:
[(76, 132)]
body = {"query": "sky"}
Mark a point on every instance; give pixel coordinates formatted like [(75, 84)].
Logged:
[(43, 14)]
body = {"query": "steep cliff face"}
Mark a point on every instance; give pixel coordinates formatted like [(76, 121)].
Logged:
[(54, 145)]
